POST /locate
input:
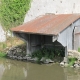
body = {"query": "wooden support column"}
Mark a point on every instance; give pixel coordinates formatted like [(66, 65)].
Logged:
[(66, 55), (28, 45), (42, 41)]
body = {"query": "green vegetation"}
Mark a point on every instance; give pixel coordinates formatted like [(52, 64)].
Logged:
[(72, 61), (4, 47), (12, 12), (2, 55), (48, 53), (79, 49), (43, 53)]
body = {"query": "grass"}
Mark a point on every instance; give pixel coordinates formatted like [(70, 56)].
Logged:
[(11, 41), (2, 55), (79, 49), (71, 61)]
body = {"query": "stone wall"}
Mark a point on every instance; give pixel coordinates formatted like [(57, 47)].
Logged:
[(40, 7), (2, 35), (72, 54), (17, 52)]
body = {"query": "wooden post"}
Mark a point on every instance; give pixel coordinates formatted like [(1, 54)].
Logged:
[(28, 45), (42, 41), (66, 55)]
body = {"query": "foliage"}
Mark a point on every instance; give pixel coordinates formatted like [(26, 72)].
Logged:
[(12, 12), (60, 52), (4, 45), (79, 49), (43, 53), (48, 53), (2, 54), (71, 61)]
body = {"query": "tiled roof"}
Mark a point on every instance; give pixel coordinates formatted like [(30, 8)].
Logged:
[(48, 24)]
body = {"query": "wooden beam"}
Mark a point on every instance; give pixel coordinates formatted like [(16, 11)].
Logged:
[(66, 55), (28, 45)]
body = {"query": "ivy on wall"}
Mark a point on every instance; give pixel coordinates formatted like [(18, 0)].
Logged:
[(12, 12)]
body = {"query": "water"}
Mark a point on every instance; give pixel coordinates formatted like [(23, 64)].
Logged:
[(18, 70)]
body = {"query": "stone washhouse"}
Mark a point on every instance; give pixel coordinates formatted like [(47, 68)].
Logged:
[(50, 30)]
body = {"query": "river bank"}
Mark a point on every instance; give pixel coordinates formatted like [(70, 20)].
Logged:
[(19, 53)]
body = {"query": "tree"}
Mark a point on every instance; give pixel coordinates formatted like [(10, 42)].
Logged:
[(12, 12)]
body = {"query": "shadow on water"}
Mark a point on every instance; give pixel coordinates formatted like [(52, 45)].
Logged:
[(17, 70)]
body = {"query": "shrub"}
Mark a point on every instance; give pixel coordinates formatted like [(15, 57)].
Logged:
[(12, 12), (48, 53), (71, 61), (2, 54)]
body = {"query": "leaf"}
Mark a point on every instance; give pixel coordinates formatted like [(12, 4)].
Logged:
[(12, 12)]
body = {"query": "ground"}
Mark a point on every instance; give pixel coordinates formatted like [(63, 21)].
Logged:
[(11, 41)]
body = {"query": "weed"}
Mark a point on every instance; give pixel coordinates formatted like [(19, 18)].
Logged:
[(48, 53), (79, 49), (72, 61), (2, 55)]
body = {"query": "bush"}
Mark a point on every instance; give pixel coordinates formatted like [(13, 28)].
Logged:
[(2, 54), (12, 12), (48, 53), (60, 52), (72, 61)]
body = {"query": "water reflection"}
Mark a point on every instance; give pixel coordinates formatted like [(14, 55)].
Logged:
[(13, 70), (2, 69), (17, 70), (72, 73)]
